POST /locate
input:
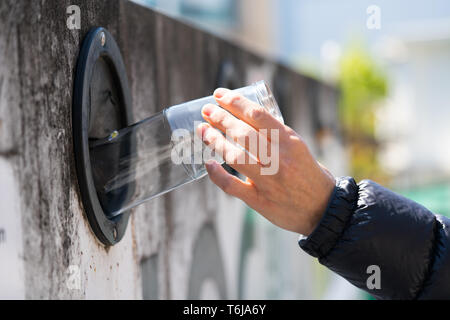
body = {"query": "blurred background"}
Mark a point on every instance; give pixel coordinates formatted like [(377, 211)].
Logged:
[(390, 62), (370, 97), (394, 102)]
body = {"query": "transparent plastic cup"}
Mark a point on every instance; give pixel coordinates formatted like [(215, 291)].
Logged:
[(162, 152)]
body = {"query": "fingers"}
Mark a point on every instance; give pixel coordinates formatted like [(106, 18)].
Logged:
[(229, 183), (235, 129), (247, 110), (232, 154)]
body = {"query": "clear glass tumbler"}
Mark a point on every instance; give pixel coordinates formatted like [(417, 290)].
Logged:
[(162, 152)]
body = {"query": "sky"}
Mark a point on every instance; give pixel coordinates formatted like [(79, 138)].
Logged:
[(306, 24)]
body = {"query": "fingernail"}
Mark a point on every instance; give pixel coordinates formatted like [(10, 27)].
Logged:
[(219, 93), (210, 164), (203, 130), (208, 109)]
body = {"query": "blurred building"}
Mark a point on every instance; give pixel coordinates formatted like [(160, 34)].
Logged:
[(413, 123)]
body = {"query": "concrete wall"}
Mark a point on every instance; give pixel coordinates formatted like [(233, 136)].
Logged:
[(194, 242)]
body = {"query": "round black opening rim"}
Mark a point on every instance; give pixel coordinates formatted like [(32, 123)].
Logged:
[(98, 44)]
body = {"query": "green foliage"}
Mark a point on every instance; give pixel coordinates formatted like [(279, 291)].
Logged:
[(362, 85)]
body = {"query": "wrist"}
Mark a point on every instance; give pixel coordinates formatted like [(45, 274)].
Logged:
[(339, 210), (326, 196)]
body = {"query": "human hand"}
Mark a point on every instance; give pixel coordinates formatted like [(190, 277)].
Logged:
[(296, 195)]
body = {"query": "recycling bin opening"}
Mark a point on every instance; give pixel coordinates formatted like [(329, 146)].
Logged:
[(121, 165), (101, 104)]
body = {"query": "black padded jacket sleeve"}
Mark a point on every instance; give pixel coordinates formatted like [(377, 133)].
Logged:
[(368, 225)]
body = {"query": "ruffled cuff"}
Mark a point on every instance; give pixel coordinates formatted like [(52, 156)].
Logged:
[(340, 208)]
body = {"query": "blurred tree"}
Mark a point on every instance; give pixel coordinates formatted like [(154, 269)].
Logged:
[(362, 84)]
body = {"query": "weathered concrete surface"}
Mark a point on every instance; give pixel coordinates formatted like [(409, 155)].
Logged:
[(167, 62)]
